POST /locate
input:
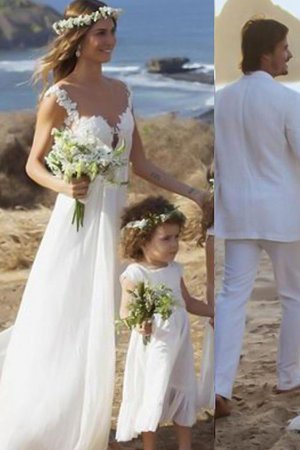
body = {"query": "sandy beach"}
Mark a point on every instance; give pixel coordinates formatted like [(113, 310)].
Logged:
[(259, 416), (182, 146)]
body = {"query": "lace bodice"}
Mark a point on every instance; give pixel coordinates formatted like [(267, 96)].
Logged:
[(96, 123)]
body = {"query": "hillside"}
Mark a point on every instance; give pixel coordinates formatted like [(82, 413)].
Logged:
[(25, 24)]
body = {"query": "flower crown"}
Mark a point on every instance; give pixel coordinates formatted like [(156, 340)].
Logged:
[(152, 220), (104, 12)]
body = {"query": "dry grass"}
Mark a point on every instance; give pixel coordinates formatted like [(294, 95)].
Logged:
[(183, 147), (20, 235)]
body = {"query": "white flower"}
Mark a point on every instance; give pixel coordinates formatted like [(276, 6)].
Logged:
[(85, 20), (140, 224)]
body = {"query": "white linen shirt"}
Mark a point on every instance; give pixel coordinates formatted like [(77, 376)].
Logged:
[(257, 151)]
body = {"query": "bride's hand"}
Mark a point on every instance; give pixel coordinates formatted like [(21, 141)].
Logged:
[(145, 329), (77, 188)]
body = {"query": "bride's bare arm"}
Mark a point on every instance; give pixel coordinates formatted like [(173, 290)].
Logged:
[(150, 172), (50, 115)]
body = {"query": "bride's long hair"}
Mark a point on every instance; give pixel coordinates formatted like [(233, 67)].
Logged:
[(60, 60)]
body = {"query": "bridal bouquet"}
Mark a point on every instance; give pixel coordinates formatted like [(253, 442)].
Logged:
[(146, 301), (73, 156)]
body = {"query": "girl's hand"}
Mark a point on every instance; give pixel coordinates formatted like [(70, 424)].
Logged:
[(77, 188), (145, 329)]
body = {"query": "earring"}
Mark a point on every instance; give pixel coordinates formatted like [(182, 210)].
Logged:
[(78, 52)]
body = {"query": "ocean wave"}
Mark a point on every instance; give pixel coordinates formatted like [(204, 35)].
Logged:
[(121, 69), (156, 81), (134, 75), (26, 65), (199, 67)]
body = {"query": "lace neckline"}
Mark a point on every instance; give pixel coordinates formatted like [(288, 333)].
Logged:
[(114, 128), (71, 107)]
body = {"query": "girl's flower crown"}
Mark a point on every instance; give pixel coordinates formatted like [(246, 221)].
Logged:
[(152, 220), (104, 12)]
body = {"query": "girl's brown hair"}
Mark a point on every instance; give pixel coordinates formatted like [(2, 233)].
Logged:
[(133, 239), (61, 58)]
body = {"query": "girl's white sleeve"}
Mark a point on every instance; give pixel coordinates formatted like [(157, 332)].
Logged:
[(133, 273)]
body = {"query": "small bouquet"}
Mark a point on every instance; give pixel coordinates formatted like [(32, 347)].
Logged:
[(73, 156), (146, 301)]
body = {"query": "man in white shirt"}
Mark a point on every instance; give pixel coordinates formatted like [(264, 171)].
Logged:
[(257, 198)]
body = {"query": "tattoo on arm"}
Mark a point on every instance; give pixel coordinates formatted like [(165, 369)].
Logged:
[(191, 191)]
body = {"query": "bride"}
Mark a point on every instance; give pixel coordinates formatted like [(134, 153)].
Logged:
[(57, 377)]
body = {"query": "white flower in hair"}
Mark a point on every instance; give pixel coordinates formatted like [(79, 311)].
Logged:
[(104, 12), (154, 219), (141, 224)]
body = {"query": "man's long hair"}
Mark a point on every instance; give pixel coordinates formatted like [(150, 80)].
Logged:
[(260, 37)]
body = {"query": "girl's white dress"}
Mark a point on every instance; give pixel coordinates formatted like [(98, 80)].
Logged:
[(59, 358), (160, 382)]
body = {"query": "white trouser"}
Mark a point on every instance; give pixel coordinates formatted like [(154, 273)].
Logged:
[(241, 264)]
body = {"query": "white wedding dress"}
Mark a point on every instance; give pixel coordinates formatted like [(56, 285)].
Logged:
[(58, 359), (206, 392), (294, 424)]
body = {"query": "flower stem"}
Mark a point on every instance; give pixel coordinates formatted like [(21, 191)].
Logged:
[(78, 214)]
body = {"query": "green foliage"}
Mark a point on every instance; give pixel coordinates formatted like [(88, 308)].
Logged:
[(146, 301)]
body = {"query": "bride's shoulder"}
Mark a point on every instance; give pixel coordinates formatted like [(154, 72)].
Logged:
[(50, 112), (58, 89), (53, 102), (119, 85)]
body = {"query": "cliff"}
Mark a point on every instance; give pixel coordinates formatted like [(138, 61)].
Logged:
[(25, 24)]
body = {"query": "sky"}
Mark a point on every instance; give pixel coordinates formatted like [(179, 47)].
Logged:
[(292, 6)]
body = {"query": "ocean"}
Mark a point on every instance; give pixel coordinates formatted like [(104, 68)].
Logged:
[(147, 29)]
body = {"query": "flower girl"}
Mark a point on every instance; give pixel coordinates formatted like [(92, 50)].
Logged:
[(160, 383)]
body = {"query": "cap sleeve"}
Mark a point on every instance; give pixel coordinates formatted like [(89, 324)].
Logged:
[(179, 268), (63, 100), (133, 273)]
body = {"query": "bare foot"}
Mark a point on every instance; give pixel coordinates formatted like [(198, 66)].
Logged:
[(286, 391), (223, 408)]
